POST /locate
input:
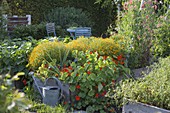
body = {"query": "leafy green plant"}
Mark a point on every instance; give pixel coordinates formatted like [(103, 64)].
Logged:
[(139, 26), (90, 78), (153, 89), (14, 54), (11, 101), (42, 108), (161, 46)]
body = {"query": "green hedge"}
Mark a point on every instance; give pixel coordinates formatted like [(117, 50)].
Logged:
[(102, 17), (37, 31)]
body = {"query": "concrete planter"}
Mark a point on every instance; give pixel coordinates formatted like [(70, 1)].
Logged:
[(137, 107)]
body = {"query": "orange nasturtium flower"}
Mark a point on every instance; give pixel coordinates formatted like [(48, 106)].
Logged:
[(104, 57), (119, 57), (88, 72), (70, 68), (56, 75), (24, 82), (101, 68), (78, 86), (96, 95), (77, 98)]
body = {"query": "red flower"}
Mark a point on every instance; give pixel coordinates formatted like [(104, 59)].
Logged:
[(97, 95), (77, 98), (70, 68), (77, 74), (24, 82), (104, 57), (100, 68), (91, 52), (113, 82), (122, 62), (65, 102), (88, 72), (65, 70), (103, 84), (46, 66), (88, 62), (78, 86), (119, 57), (104, 93), (115, 61)]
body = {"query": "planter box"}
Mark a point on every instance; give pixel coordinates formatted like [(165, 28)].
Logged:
[(137, 107)]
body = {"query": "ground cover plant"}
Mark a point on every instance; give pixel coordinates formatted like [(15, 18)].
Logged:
[(99, 72), (11, 100), (153, 89), (14, 55)]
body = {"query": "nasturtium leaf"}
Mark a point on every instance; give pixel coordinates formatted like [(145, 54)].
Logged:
[(81, 94), (91, 93), (100, 87), (72, 88)]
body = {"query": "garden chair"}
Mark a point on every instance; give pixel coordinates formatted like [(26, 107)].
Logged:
[(83, 31), (50, 27)]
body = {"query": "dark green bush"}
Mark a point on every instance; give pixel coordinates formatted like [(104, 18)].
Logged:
[(153, 89), (102, 17), (68, 17), (36, 31)]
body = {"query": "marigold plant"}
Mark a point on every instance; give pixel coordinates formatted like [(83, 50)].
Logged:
[(81, 44), (46, 51), (102, 46), (105, 46)]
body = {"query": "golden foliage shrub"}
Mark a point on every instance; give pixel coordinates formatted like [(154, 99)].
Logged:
[(81, 44), (105, 46), (46, 51)]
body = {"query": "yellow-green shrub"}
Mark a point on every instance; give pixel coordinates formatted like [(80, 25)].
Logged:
[(81, 44), (105, 46), (44, 50)]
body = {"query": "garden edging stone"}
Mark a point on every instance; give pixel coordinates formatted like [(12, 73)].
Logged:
[(138, 107)]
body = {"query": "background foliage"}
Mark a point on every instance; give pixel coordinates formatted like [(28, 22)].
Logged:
[(102, 17)]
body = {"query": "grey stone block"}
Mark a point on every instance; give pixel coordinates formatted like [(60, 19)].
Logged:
[(137, 107)]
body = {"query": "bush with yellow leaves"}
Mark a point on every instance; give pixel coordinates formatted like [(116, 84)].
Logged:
[(46, 51), (106, 46), (80, 44)]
